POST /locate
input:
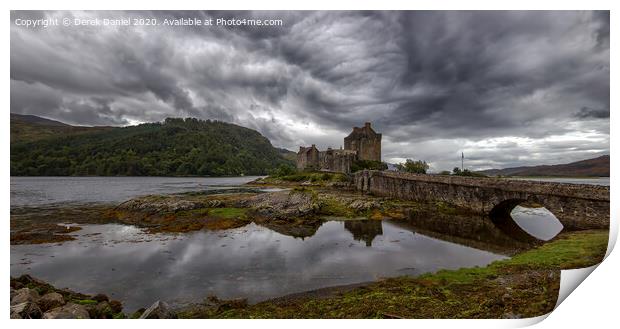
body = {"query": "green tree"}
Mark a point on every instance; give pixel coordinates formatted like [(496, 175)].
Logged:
[(368, 164), (417, 167), (284, 170)]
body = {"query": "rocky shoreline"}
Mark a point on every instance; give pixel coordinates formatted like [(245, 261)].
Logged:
[(299, 208)]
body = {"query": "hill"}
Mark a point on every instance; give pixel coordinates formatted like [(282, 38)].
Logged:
[(176, 147), (597, 167), (27, 128), (287, 154)]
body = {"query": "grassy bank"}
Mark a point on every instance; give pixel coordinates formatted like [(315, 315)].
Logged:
[(524, 286)]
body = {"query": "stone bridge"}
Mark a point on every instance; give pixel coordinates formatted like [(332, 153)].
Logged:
[(576, 206)]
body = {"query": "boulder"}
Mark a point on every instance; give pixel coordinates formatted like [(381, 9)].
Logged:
[(102, 310), (361, 205), (159, 310), (68, 311), (25, 279), (214, 203), (51, 300), (25, 295), (116, 306), (225, 305), (284, 204), (138, 313), (154, 204), (101, 298), (25, 310)]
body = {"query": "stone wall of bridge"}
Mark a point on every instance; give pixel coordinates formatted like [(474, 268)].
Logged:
[(576, 206)]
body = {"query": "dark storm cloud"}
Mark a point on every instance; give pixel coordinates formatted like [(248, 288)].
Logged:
[(508, 88), (587, 112)]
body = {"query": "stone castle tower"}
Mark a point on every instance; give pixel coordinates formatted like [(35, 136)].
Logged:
[(365, 141)]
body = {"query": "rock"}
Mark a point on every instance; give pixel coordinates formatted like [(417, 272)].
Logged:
[(159, 310), (25, 279), (284, 205), (214, 203), (137, 314), (26, 310), (101, 298), (16, 284), (68, 311), (116, 306), (506, 298), (102, 310), (25, 295), (232, 304), (154, 204), (51, 300), (361, 205), (511, 315)]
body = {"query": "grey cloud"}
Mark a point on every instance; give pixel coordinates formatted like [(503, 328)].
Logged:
[(431, 82), (586, 112)]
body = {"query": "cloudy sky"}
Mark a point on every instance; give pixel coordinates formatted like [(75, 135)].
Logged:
[(505, 88)]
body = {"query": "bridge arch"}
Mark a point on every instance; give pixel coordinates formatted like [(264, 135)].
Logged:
[(512, 223)]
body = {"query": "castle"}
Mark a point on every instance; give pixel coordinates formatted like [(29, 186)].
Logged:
[(361, 144)]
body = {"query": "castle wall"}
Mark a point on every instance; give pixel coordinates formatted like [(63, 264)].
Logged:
[(308, 158), (337, 160)]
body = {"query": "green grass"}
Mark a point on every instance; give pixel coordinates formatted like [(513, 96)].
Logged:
[(574, 250), (333, 207), (314, 177), (86, 302), (229, 213)]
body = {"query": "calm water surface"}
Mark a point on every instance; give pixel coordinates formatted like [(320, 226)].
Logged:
[(251, 262), (36, 191), (537, 222), (604, 181)]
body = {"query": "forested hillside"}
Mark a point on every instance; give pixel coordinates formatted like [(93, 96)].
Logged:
[(176, 147)]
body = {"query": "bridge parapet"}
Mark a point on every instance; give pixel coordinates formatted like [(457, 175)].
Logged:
[(577, 206)]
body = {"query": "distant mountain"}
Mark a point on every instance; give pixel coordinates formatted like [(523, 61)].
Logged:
[(176, 147), (597, 167), (287, 154), (26, 128)]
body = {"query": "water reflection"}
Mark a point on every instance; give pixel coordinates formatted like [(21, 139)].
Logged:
[(364, 230), (474, 231), (253, 261), (537, 221)]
